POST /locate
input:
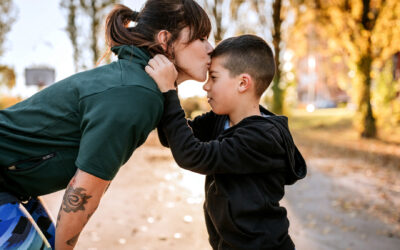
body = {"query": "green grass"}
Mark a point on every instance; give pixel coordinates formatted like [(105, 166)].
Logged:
[(337, 118), (336, 122)]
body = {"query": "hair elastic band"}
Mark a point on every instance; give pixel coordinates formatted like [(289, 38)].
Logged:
[(134, 16)]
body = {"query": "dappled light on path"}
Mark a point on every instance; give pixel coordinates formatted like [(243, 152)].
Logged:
[(345, 202)]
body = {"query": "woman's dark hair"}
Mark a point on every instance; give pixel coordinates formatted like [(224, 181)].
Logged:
[(156, 15)]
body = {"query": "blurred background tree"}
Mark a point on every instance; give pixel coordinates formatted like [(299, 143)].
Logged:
[(93, 11), (71, 7), (8, 14), (366, 34), (265, 18), (96, 10), (216, 12), (7, 18), (347, 45)]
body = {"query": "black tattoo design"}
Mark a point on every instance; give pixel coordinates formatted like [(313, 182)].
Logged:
[(73, 240), (74, 199)]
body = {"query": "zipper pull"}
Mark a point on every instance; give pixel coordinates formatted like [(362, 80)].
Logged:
[(48, 156)]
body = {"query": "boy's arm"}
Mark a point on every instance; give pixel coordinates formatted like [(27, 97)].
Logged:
[(199, 125), (164, 74), (161, 135), (248, 150), (243, 153)]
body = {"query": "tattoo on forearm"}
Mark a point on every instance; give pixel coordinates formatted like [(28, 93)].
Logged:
[(74, 199), (73, 240)]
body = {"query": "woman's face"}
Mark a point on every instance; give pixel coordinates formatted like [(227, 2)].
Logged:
[(192, 60)]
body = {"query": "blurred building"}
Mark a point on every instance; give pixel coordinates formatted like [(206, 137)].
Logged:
[(39, 76)]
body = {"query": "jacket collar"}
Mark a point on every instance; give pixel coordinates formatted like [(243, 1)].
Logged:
[(132, 53)]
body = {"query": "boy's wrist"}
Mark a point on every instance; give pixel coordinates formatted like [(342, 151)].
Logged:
[(165, 89), (169, 92)]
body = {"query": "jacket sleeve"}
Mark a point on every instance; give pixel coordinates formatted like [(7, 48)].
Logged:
[(242, 153), (114, 123)]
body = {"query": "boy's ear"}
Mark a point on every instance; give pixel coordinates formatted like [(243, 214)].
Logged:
[(246, 82), (163, 36)]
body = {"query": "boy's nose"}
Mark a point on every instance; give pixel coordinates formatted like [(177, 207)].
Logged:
[(206, 86)]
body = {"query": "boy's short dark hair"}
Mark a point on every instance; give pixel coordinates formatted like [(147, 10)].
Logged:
[(248, 54)]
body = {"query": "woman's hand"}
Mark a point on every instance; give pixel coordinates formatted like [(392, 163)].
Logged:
[(163, 72)]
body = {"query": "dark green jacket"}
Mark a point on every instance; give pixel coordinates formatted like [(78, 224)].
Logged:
[(93, 121)]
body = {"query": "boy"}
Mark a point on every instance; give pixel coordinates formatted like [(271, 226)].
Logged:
[(245, 151)]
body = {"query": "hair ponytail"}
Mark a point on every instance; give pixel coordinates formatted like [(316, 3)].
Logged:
[(117, 31)]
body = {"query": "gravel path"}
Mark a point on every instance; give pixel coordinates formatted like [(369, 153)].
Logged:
[(153, 205)]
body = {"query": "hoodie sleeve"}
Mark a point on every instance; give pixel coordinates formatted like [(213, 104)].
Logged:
[(200, 126), (248, 150)]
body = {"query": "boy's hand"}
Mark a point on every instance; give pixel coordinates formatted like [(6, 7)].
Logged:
[(163, 72)]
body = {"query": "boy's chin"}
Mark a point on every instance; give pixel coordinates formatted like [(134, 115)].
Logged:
[(218, 112)]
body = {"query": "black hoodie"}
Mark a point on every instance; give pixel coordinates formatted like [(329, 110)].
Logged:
[(247, 166)]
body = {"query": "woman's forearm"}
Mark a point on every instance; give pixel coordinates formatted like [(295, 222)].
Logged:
[(81, 198)]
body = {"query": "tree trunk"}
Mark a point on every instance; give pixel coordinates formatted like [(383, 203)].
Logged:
[(72, 30), (367, 126), (278, 92), (95, 32)]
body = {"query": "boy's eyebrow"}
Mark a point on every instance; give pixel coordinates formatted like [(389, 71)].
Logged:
[(213, 71)]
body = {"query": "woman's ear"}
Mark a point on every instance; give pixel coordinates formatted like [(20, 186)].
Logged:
[(163, 36), (246, 82)]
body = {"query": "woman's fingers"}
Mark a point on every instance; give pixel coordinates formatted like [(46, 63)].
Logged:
[(149, 70), (159, 59), (163, 59), (163, 72), (159, 62), (153, 63)]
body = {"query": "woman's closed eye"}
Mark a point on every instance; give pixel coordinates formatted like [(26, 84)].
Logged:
[(203, 39)]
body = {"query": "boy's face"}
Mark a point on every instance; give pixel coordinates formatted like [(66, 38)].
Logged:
[(221, 87)]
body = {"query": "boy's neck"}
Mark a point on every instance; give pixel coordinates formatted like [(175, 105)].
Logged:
[(243, 111)]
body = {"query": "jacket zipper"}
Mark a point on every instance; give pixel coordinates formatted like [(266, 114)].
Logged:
[(35, 160)]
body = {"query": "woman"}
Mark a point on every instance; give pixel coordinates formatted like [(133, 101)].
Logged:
[(76, 133)]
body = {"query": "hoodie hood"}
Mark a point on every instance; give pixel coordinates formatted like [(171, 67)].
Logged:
[(298, 168)]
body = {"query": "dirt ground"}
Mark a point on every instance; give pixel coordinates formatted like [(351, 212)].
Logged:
[(153, 205)]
